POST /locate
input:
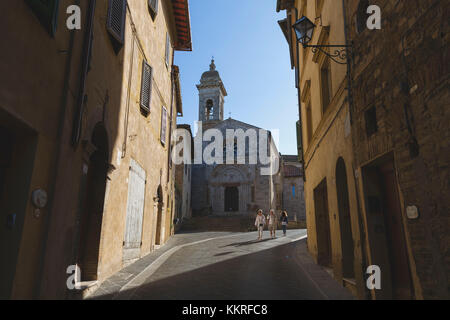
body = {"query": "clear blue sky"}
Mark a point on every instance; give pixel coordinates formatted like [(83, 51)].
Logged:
[(252, 57)]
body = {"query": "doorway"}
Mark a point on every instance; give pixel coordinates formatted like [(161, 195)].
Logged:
[(231, 199), (322, 224), (18, 148), (92, 216), (135, 212), (386, 222), (159, 217), (345, 223)]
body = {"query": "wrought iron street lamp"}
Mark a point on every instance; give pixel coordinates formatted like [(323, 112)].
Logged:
[(304, 29)]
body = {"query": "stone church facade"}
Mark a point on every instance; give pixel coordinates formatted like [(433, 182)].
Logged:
[(232, 189)]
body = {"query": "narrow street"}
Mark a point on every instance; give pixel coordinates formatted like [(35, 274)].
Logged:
[(225, 266)]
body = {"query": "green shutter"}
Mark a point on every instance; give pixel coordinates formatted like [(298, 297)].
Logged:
[(47, 13), (299, 141)]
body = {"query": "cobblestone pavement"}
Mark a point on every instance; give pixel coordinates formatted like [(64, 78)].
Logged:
[(225, 266)]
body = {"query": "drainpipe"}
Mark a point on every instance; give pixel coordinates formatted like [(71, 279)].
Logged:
[(299, 94), (351, 111), (61, 118), (87, 50)]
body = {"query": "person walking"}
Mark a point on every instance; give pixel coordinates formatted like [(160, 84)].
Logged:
[(259, 223), (284, 222), (272, 223)]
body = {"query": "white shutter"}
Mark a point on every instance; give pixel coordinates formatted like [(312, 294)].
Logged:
[(167, 49), (163, 125), (135, 212)]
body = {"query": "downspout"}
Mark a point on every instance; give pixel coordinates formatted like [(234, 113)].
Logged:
[(361, 225), (299, 94), (52, 189), (172, 87), (87, 49)]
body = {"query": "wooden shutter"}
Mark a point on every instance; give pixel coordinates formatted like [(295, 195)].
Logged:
[(163, 125), (115, 23), (47, 13), (135, 212), (146, 86), (153, 6)]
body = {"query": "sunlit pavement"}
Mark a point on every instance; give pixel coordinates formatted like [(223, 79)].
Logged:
[(225, 266)]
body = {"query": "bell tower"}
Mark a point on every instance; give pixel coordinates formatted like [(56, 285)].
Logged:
[(211, 95)]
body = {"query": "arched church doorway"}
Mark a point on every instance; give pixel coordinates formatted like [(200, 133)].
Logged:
[(92, 216), (231, 199), (345, 220), (159, 216)]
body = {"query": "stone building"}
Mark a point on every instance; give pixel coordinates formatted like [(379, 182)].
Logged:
[(334, 235), (183, 175), (401, 115), (292, 196), (222, 188), (374, 144), (86, 118)]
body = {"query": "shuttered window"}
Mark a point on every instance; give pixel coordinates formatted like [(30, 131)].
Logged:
[(163, 125), (167, 49), (47, 13), (116, 19), (153, 7), (146, 87)]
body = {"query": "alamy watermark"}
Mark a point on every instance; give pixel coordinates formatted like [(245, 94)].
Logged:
[(234, 146), (73, 22)]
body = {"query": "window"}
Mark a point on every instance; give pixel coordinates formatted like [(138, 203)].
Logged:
[(153, 8), (371, 121), (146, 87), (325, 81), (209, 110), (163, 125), (362, 16), (47, 13), (115, 23), (293, 191), (167, 49)]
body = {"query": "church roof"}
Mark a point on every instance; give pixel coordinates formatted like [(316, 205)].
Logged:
[(238, 123)]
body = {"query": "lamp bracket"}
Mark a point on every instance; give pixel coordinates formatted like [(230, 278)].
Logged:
[(339, 55)]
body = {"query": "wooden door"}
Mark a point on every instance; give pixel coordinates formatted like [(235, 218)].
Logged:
[(398, 256), (322, 224), (135, 212)]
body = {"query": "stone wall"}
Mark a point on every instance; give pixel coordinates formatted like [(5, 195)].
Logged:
[(402, 71)]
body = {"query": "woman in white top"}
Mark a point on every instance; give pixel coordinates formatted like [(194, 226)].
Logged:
[(259, 223), (272, 222)]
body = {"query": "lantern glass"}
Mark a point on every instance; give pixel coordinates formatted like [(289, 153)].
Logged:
[(304, 30)]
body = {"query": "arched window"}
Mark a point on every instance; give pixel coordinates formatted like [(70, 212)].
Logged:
[(209, 110), (362, 16)]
